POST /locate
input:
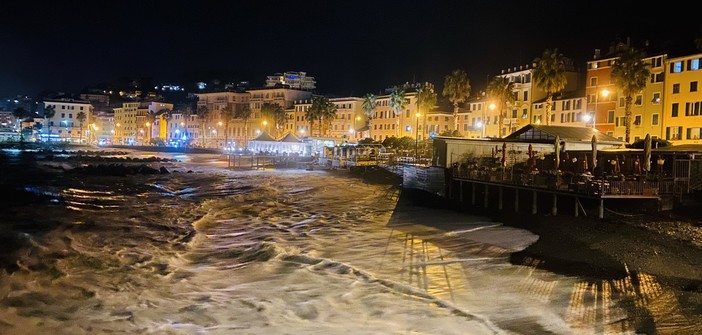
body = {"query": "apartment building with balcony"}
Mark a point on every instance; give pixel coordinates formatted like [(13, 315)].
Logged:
[(214, 130), (66, 124), (349, 124), (607, 104), (291, 79), (682, 97), (528, 106)]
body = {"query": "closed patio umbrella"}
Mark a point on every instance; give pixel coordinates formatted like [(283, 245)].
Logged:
[(557, 152), (504, 154), (594, 153), (647, 153)]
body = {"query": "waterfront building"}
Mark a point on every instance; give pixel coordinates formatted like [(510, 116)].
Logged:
[(66, 124), (214, 129), (291, 79), (682, 122), (606, 105), (103, 126), (347, 124)]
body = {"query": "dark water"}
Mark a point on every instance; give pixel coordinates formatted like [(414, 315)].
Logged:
[(207, 250)]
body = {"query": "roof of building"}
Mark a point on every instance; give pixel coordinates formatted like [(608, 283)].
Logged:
[(290, 138), (264, 136), (542, 133)]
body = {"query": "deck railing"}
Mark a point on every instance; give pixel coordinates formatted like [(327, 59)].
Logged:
[(584, 184)]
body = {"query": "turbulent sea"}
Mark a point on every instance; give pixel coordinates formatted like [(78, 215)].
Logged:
[(209, 250)]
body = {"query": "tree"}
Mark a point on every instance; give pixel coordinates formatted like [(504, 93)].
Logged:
[(500, 90), (328, 115), (314, 112), (20, 113), (228, 114), (397, 103), (550, 76), (457, 90), (278, 119), (49, 112), (165, 116), (244, 113), (426, 100), (630, 74), (150, 118), (369, 102), (203, 113), (322, 110), (81, 120)]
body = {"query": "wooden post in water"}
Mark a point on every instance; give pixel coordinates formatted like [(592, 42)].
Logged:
[(533, 203), (516, 200), (554, 207), (485, 201), (472, 195), (499, 198), (601, 209)]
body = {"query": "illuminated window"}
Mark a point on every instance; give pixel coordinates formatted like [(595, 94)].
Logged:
[(676, 67)]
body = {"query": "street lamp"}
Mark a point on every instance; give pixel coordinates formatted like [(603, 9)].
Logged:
[(604, 93), (148, 126), (492, 109), (416, 139), (265, 125), (358, 118)]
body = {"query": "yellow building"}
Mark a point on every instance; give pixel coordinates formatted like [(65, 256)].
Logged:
[(607, 105), (682, 121), (211, 132)]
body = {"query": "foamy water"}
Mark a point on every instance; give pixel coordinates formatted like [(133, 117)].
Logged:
[(217, 251)]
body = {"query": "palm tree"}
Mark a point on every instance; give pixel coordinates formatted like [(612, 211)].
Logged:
[(315, 112), (20, 113), (278, 119), (244, 113), (150, 118), (228, 114), (203, 113), (457, 90), (630, 73), (165, 115), (500, 90), (550, 76), (369, 102), (426, 100), (49, 112), (397, 103), (328, 114), (81, 120)]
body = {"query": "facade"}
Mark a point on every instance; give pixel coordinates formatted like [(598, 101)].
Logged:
[(293, 80), (607, 105), (347, 125), (103, 126), (71, 121), (523, 111), (386, 124), (214, 130), (682, 122)]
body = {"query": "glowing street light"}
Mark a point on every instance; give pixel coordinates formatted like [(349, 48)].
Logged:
[(416, 139)]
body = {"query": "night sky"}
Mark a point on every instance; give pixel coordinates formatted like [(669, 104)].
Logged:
[(350, 47)]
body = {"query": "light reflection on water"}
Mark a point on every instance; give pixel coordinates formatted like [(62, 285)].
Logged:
[(221, 252)]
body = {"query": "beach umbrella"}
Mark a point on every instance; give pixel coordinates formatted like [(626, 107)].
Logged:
[(557, 152), (594, 153), (504, 153), (585, 167), (647, 153), (531, 157), (637, 165)]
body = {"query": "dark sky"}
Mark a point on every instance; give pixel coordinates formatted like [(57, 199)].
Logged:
[(350, 47)]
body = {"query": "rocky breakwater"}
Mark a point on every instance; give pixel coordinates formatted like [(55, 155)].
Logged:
[(105, 164)]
